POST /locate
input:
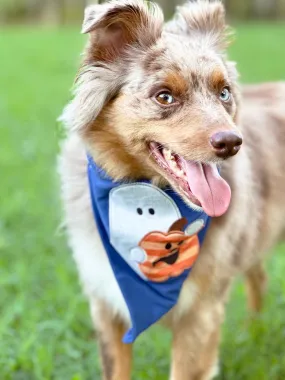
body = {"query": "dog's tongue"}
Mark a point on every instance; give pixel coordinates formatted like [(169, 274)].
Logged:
[(206, 184)]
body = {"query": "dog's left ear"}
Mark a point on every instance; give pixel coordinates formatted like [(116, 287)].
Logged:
[(117, 29), (204, 20), (116, 26)]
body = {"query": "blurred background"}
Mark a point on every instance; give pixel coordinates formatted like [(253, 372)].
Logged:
[(66, 11), (45, 328)]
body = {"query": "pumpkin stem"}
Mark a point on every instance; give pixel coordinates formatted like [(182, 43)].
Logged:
[(178, 225)]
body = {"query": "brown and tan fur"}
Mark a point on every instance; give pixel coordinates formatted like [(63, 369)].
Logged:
[(130, 55)]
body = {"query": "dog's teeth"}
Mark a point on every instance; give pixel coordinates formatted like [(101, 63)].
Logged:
[(167, 154), (180, 173), (173, 165)]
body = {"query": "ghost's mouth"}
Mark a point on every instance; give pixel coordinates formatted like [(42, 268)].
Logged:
[(200, 183), (170, 260)]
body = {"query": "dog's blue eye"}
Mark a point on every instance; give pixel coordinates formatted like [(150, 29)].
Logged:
[(225, 95)]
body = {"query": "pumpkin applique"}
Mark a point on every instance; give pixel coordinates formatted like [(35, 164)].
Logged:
[(164, 255)]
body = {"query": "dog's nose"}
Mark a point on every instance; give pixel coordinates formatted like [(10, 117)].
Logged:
[(226, 144)]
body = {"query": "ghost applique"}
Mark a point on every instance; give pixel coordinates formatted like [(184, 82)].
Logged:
[(135, 210), (147, 230)]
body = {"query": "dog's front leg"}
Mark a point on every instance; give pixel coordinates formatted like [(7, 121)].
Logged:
[(116, 357), (196, 342), (256, 281)]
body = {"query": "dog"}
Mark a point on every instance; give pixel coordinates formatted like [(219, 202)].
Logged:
[(161, 101)]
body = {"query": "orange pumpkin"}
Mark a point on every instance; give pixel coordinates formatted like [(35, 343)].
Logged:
[(168, 254)]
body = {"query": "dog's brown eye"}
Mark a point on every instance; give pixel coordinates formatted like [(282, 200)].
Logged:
[(225, 95), (165, 98)]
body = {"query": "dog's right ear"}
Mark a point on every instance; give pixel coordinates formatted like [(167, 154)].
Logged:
[(203, 20), (117, 25)]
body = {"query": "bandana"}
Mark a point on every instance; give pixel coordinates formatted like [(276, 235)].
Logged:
[(152, 239)]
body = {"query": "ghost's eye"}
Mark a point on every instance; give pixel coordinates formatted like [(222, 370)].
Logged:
[(180, 243), (151, 211), (139, 211)]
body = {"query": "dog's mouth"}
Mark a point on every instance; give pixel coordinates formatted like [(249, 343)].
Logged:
[(200, 183)]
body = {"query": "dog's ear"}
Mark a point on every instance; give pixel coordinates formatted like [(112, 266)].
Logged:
[(115, 29), (202, 18), (117, 25)]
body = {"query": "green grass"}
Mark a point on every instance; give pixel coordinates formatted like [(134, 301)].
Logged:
[(45, 329)]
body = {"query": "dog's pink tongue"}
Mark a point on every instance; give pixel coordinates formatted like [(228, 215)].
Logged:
[(208, 187)]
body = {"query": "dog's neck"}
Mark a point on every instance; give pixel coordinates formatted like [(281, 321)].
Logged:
[(109, 154)]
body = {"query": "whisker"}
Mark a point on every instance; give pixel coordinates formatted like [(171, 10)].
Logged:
[(149, 155), (161, 146), (171, 142)]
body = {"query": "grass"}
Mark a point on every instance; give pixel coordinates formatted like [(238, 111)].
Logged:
[(45, 329)]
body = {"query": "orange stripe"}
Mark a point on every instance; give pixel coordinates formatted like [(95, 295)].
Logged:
[(155, 249), (160, 237), (161, 279), (147, 264), (190, 252), (192, 245), (169, 270), (156, 252), (147, 245), (182, 256)]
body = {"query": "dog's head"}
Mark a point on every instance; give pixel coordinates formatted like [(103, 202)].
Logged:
[(159, 101)]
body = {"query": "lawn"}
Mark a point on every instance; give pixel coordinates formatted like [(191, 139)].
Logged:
[(45, 329)]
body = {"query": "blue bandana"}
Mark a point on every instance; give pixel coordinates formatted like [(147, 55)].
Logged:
[(152, 239)]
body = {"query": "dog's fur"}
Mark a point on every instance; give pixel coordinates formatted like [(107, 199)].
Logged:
[(131, 54)]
